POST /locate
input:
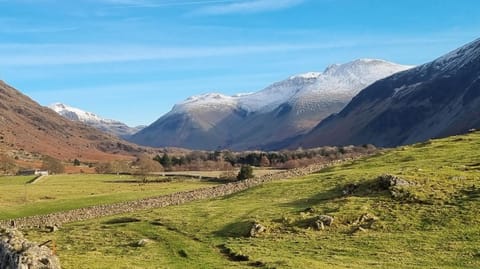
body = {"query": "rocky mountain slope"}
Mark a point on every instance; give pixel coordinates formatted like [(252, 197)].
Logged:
[(436, 99), (29, 127), (114, 127), (263, 119)]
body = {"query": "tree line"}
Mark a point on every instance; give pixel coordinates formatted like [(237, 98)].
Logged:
[(220, 160), (286, 159)]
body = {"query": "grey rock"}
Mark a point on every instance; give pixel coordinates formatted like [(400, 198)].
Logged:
[(143, 242), (325, 219), (387, 181), (319, 225), (17, 252), (257, 229), (350, 189)]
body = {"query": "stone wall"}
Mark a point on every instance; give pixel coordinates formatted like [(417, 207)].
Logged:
[(98, 211), (17, 252)]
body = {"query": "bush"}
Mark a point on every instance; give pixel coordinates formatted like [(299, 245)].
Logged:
[(245, 172)]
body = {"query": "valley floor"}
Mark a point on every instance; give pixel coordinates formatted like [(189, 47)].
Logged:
[(20, 198), (427, 219)]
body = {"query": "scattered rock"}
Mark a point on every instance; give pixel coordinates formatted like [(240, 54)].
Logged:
[(350, 189), (366, 220), (319, 225), (325, 219), (257, 229), (388, 181), (17, 252), (398, 188), (143, 242), (361, 229), (309, 210), (319, 222), (52, 228)]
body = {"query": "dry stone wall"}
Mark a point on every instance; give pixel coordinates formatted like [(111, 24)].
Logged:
[(17, 252), (59, 218)]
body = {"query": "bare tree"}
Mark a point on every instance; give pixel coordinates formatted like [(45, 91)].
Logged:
[(146, 166), (53, 165), (7, 165)]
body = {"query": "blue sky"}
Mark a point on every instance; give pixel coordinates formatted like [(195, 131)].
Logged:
[(132, 60)]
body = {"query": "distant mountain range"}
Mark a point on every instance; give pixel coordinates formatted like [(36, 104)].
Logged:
[(29, 127), (106, 125), (392, 105), (265, 119), (437, 99)]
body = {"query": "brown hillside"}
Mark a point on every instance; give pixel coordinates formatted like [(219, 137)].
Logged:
[(25, 125)]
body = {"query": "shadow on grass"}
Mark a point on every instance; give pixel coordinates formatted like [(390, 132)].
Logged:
[(121, 220), (367, 188), (326, 170), (236, 229), (468, 195)]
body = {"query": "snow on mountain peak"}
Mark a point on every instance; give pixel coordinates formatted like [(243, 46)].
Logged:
[(348, 78), (362, 66), (207, 97), (457, 58), (76, 114), (340, 82), (242, 94), (110, 126), (309, 75), (205, 101)]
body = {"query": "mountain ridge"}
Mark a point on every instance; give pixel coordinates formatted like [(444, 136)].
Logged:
[(30, 127), (436, 99), (282, 110), (110, 126)]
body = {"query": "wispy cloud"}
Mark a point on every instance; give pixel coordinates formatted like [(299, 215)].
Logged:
[(36, 29), (125, 2), (11, 25), (80, 54), (245, 7), (211, 7), (160, 4), (60, 54)]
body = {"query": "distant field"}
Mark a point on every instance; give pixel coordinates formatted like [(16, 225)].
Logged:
[(434, 223), (64, 192), (256, 172)]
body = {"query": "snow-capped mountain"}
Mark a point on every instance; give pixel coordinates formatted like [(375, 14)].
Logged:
[(106, 125), (256, 120), (339, 80), (436, 99)]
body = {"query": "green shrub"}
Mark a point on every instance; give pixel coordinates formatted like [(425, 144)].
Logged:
[(245, 172)]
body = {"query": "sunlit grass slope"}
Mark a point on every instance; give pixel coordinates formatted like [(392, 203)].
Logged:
[(432, 221), (64, 192)]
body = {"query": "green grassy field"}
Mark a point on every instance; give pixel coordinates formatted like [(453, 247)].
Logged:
[(433, 222), (258, 171), (64, 192)]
